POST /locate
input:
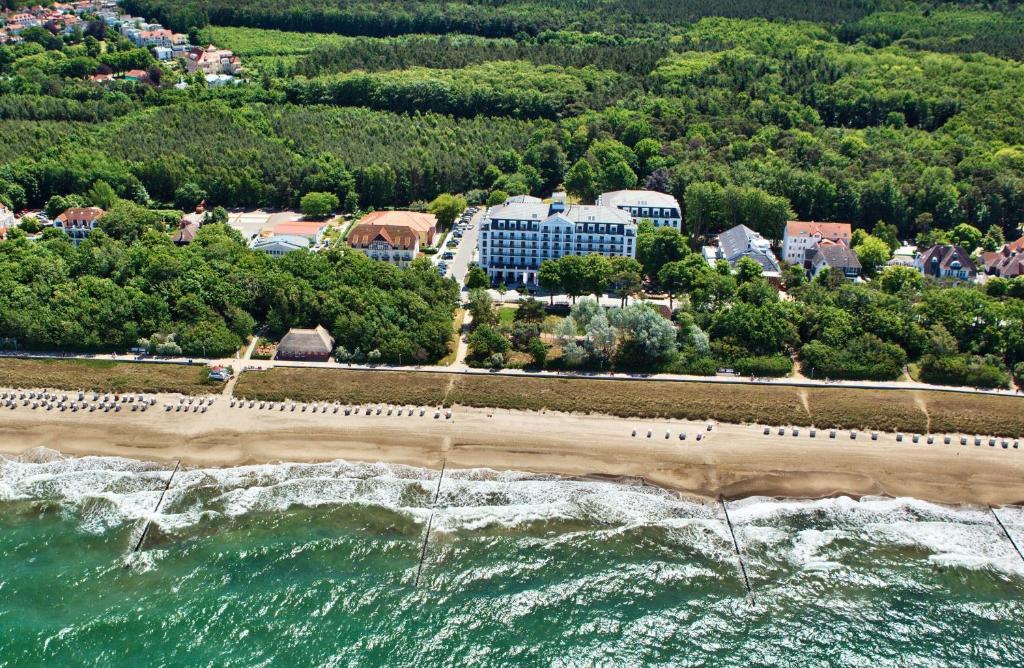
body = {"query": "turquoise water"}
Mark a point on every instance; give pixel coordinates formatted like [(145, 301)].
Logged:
[(317, 565)]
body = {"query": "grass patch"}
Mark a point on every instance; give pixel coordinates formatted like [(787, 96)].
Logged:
[(975, 413), (354, 387), (105, 376), (841, 408), (506, 315), (881, 410), (453, 344)]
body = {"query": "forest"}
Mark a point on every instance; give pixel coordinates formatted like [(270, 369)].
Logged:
[(900, 117), (205, 299)]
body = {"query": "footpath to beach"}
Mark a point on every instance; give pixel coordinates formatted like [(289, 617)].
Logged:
[(714, 459)]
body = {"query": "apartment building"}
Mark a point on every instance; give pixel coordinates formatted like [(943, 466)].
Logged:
[(516, 237), (661, 209)]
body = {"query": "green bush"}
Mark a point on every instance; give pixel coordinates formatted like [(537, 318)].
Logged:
[(865, 357), (967, 370), (696, 365), (772, 366)]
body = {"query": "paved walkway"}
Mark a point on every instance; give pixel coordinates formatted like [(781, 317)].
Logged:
[(459, 367)]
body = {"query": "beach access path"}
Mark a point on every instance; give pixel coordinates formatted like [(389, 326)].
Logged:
[(241, 364)]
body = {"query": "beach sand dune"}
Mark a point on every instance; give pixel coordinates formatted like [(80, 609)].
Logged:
[(731, 460)]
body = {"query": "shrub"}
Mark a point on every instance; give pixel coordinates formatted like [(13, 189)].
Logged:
[(772, 365), (865, 357), (968, 370), (694, 365)]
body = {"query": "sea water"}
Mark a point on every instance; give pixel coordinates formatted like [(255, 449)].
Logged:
[(332, 564)]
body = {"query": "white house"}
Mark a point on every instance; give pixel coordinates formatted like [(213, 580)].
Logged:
[(516, 238), (661, 209), (279, 245), (739, 242), (6, 216), (803, 236), (78, 222)]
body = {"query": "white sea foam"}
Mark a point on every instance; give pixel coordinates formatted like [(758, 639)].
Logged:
[(107, 492)]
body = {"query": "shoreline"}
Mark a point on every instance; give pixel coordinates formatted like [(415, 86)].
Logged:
[(732, 460)]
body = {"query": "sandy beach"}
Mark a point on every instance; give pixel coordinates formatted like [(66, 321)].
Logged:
[(731, 460)]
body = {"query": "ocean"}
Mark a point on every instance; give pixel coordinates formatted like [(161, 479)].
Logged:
[(327, 564)]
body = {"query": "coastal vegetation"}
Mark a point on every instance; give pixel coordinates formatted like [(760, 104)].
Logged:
[(911, 411), (105, 376), (895, 116)]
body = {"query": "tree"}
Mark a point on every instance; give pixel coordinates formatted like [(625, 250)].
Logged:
[(476, 278), (618, 176), (873, 253), (496, 197), (538, 351), (793, 277), (446, 208), (887, 233), (673, 279), (530, 310), (601, 337), (101, 194), (481, 308), (895, 280), (188, 195), (573, 276), (704, 203), (597, 273), (649, 338), (318, 204), (747, 270), (127, 221), (580, 180), (657, 246), (486, 341), (626, 277), (966, 236), (549, 277)]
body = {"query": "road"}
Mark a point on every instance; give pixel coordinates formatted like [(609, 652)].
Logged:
[(458, 267)]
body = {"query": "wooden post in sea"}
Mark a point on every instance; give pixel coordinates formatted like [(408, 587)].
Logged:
[(160, 501), (736, 546), (1006, 533), (430, 523)]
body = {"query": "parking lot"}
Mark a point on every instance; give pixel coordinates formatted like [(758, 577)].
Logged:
[(459, 246)]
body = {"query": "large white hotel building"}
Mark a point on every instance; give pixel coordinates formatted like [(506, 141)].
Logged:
[(520, 234)]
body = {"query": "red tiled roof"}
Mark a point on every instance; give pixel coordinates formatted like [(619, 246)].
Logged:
[(88, 214), (396, 236), (826, 230), (424, 224)]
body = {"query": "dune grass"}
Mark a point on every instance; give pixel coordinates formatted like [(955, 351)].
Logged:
[(105, 376), (886, 410)]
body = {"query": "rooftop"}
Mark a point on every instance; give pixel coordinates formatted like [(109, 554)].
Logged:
[(638, 198), (809, 228), (580, 213)]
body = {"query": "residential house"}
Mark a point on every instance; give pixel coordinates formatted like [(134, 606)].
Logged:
[(138, 76), (211, 60), (834, 255), (661, 209), (163, 52), (944, 261), (739, 242), (516, 238), (903, 256), (424, 224), (277, 246), (395, 244), (313, 231), (1007, 262), (78, 222), (803, 236), (306, 345), (6, 216)]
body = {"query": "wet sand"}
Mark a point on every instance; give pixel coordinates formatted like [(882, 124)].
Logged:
[(731, 460)]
